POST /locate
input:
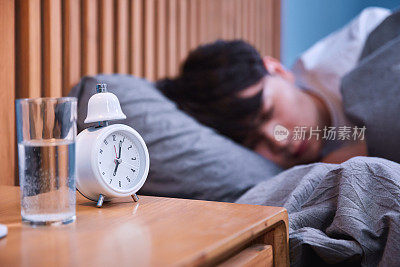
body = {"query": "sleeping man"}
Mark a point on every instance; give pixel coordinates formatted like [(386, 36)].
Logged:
[(290, 117), (348, 214)]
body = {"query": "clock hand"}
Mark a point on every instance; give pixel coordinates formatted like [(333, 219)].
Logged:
[(120, 146), (116, 167), (115, 152)]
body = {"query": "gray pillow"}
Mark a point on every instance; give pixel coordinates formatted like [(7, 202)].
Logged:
[(371, 91), (187, 159)]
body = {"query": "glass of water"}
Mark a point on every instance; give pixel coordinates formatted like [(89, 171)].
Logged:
[(46, 132)]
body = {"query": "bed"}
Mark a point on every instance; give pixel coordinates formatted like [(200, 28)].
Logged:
[(326, 202)]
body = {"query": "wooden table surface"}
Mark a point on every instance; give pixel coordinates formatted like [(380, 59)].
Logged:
[(155, 231)]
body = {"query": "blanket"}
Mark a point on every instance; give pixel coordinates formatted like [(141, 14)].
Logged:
[(345, 213)]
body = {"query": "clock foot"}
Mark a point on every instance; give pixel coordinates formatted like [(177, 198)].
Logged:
[(135, 198), (100, 201)]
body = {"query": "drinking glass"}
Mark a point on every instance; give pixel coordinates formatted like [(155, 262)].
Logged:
[(46, 132)]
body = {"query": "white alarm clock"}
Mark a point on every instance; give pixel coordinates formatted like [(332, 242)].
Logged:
[(112, 160)]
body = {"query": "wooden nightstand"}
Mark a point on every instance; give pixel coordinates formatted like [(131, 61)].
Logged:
[(153, 232)]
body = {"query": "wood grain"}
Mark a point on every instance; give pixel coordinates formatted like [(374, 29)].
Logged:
[(279, 239), (210, 17), (276, 32), (202, 21), (161, 43), (122, 36), (106, 35), (136, 38), (182, 31), (269, 28), (258, 25), (230, 19), (253, 256), (51, 56), (149, 38), (155, 231), (213, 17), (224, 19), (89, 37), (238, 19), (7, 93), (71, 44), (252, 22), (263, 32), (172, 38), (245, 20), (28, 49), (193, 25)]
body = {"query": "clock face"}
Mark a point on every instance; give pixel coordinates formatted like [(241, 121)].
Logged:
[(118, 161)]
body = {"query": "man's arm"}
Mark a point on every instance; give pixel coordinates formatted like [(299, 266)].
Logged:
[(347, 152)]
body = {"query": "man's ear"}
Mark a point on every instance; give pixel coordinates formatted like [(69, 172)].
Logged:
[(275, 67)]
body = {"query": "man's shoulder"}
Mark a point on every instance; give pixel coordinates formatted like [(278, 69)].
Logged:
[(382, 34)]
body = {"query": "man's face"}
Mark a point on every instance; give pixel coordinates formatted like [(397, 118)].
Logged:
[(286, 105)]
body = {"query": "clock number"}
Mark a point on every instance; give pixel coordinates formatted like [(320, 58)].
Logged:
[(110, 181), (129, 147), (132, 170), (101, 151), (114, 137), (103, 173), (123, 140), (105, 142), (134, 158), (127, 178), (119, 183)]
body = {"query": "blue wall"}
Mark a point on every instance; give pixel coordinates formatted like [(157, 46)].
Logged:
[(306, 21)]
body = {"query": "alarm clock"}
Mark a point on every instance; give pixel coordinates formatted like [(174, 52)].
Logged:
[(112, 160)]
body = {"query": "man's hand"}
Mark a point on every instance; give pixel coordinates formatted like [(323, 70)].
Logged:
[(347, 152)]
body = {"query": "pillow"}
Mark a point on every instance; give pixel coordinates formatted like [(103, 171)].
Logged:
[(328, 60), (371, 91), (187, 159)]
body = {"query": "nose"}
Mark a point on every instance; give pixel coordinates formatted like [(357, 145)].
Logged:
[(275, 136)]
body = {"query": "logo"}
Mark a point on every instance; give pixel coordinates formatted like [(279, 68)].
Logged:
[(280, 133)]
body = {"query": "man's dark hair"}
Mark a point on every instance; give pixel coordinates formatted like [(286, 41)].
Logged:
[(208, 84)]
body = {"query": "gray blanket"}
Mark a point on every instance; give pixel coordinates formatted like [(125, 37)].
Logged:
[(347, 213)]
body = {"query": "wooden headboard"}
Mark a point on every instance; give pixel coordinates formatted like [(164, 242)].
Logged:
[(46, 46)]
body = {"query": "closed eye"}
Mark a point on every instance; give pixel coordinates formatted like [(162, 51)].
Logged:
[(257, 136), (267, 115)]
